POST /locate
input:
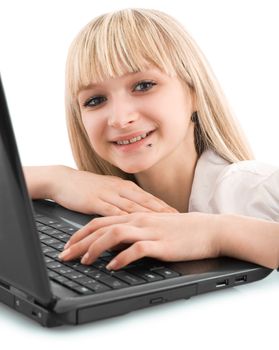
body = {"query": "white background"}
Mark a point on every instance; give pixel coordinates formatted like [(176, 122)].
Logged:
[(240, 40)]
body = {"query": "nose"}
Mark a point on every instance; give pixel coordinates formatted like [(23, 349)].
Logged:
[(122, 115)]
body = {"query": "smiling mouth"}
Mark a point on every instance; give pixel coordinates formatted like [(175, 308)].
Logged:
[(133, 140)]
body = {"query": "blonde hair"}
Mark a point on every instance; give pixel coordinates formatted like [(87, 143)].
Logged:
[(121, 42)]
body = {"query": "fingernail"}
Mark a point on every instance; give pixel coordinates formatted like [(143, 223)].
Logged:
[(112, 265), (67, 245), (84, 258), (64, 254)]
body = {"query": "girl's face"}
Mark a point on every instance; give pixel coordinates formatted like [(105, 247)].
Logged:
[(138, 110)]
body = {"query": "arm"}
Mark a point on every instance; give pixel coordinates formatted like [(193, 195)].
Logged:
[(177, 237), (89, 193), (39, 180), (249, 239)]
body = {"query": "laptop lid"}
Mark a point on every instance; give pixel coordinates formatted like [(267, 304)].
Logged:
[(21, 260)]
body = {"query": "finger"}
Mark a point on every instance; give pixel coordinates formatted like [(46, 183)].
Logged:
[(78, 249), (145, 199), (136, 251), (94, 225), (108, 208), (114, 236), (125, 204), (97, 223)]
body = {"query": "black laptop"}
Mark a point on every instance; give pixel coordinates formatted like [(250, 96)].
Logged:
[(36, 283)]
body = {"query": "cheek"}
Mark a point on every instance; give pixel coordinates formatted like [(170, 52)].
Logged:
[(173, 115), (92, 129)]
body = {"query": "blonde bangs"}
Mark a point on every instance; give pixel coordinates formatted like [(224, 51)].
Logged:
[(117, 44)]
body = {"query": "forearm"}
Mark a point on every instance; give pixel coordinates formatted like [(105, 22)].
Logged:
[(39, 180), (249, 239)]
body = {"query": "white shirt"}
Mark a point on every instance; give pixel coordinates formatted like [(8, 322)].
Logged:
[(248, 187)]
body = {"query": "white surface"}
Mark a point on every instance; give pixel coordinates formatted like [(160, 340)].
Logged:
[(240, 40), (243, 317)]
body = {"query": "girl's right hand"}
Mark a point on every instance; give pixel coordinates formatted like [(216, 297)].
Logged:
[(105, 195)]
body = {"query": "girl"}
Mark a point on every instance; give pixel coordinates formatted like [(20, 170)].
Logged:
[(158, 150)]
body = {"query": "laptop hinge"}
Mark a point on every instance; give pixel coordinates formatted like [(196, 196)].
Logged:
[(30, 299), (39, 313), (26, 305)]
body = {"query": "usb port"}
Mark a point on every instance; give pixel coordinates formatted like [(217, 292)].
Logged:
[(222, 283), (241, 279)]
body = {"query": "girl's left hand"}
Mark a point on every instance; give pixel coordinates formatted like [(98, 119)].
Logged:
[(165, 236)]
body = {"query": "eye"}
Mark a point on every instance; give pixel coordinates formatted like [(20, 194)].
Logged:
[(144, 85), (94, 101)]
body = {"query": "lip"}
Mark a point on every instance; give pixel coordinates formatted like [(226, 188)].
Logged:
[(132, 147), (130, 136)]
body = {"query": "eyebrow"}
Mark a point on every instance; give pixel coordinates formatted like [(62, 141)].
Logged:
[(97, 85), (89, 87)]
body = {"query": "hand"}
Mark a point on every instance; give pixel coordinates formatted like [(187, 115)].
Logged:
[(165, 236), (102, 194)]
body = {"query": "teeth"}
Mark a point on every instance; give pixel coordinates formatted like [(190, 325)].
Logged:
[(134, 139)]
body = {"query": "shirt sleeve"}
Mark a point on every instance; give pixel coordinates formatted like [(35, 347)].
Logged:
[(247, 188)]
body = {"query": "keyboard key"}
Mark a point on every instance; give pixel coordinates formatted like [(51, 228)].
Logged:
[(46, 220), (167, 273), (59, 225), (113, 282), (53, 254), (99, 264), (50, 241), (96, 274), (64, 270), (62, 236), (72, 263), (82, 290), (44, 228), (52, 232), (106, 254), (54, 265), (128, 278), (60, 279), (70, 284), (85, 269), (69, 229), (93, 285), (43, 236), (74, 275), (149, 276), (86, 281), (98, 287), (58, 245), (48, 260), (47, 249), (52, 274), (152, 265)]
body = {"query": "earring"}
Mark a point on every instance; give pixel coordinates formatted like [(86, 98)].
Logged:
[(195, 117), (198, 136)]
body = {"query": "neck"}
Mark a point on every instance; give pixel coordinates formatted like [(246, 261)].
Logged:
[(171, 180)]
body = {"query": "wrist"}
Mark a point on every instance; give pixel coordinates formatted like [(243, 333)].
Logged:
[(42, 181), (56, 176), (224, 226), (216, 226)]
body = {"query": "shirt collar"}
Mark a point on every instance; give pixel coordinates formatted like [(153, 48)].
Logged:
[(209, 167)]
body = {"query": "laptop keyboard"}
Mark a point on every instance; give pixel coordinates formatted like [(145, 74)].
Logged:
[(94, 278)]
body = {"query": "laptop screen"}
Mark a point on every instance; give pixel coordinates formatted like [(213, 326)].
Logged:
[(21, 261)]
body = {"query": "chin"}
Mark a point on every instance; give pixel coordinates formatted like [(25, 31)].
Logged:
[(134, 169)]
